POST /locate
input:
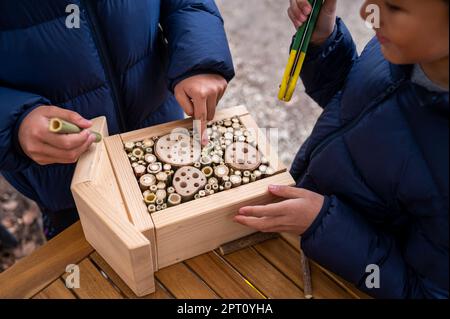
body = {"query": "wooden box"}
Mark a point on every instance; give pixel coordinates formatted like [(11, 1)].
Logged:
[(136, 244)]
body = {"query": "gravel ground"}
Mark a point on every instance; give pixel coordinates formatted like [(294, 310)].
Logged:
[(260, 34)]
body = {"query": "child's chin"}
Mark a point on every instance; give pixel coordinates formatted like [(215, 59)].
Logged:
[(393, 56)]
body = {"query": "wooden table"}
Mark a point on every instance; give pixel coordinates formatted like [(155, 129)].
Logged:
[(268, 270)]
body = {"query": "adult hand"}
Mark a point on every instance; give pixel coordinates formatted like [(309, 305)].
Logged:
[(45, 147), (299, 10), (293, 215), (199, 95)]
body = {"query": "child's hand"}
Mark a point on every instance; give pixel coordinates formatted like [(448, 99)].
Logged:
[(299, 11), (199, 95), (294, 215), (45, 147)]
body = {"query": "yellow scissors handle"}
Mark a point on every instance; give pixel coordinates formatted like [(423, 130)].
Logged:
[(294, 79), (287, 75)]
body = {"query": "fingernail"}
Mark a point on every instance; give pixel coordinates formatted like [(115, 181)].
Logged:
[(87, 122), (92, 137), (273, 188), (307, 10)]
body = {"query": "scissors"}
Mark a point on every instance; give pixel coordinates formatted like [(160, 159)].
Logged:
[(298, 53)]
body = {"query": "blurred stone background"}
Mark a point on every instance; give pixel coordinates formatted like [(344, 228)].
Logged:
[(259, 33)]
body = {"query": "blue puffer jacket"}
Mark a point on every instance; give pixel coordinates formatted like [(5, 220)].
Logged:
[(116, 64), (380, 154)]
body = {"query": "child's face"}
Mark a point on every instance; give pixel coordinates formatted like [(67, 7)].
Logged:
[(412, 31)]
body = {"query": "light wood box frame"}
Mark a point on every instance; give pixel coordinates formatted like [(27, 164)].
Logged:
[(136, 244)]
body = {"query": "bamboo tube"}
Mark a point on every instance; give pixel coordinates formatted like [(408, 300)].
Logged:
[(174, 200), (146, 181), (59, 126), (227, 185), (221, 170), (150, 199), (139, 170), (138, 153), (208, 171), (129, 146), (162, 177), (161, 185), (213, 180), (235, 180), (161, 194), (147, 143)]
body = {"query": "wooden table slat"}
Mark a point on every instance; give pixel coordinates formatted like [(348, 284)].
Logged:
[(93, 285), (56, 290), (181, 282), (287, 260), (222, 278), (33, 273), (294, 241), (263, 275), (160, 292), (351, 289)]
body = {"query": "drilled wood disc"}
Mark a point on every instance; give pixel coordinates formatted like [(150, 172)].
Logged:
[(178, 149), (242, 156), (188, 180)]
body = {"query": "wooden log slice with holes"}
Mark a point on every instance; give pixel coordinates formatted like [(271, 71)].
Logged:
[(178, 149), (187, 181), (242, 156)]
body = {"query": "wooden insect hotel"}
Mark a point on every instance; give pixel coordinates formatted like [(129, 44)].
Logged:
[(154, 197)]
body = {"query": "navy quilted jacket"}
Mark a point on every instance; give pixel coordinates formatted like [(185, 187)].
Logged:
[(380, 154), (116, 64)]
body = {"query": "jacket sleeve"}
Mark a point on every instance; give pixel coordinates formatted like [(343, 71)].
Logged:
[(327, 66), (197, 39), (14, 107), (341, 240)]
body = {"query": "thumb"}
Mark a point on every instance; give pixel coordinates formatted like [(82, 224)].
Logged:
[(69, 116), (287, 191)]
